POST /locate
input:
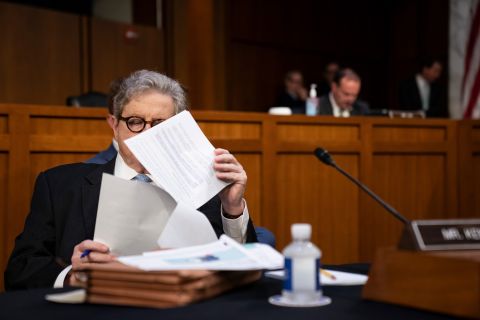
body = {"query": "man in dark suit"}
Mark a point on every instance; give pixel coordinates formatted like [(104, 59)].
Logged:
[(63, 211), (342, 100), (421, 92)]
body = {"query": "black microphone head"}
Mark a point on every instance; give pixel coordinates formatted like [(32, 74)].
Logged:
[(324, 156)]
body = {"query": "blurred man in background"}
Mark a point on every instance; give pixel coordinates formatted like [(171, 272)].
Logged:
[(421, 92), (342, 101), (328, 74), (294, 93)]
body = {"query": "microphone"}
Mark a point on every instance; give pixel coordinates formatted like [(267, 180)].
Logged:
[(327, 159)]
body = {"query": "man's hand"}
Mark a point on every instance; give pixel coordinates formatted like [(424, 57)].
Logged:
[(228, 169), (302, 93), (99, 253)]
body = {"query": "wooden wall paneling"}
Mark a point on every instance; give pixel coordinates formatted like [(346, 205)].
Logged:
[(452, 175), (414, 184), (195, 34), (118, 49), (270, 204), (17, 175), (4, 157), (309, 191), (366, 176), (254, 74), (469, 169), (40, 55), (414, 177), (69, 134), (85, 56), (4, 137), (474, 210), (66, 137), (3, 211), (200, 23)]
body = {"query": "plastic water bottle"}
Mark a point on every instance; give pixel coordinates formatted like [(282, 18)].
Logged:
[(312, 101), (302, 265)]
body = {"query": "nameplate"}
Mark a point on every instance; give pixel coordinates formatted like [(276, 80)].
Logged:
[(447, 234)]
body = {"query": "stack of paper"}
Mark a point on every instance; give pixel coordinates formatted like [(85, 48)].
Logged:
[(116, 283)]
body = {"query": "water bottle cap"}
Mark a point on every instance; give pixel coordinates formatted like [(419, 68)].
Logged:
[(301, 231)]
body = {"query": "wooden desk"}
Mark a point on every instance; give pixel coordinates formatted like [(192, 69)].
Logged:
[(417, 165), (250, 302)]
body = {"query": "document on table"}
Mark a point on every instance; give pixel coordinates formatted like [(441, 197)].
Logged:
[(224, 254), (341, 278), (180, 158), (134, 217)]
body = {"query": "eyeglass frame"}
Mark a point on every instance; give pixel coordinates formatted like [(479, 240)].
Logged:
[(151, 123)]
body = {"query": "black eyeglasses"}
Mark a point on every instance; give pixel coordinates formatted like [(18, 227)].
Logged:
[(137, 124)]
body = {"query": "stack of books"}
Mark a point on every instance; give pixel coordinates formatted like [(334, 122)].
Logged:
[(119, 284)]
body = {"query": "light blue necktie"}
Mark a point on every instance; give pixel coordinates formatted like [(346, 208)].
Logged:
[(142, 177)]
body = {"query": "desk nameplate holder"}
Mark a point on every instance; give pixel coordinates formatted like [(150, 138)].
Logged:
[(435, 268), (431, 269), (433, 235)]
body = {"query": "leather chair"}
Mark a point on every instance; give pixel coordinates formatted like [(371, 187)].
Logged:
[(89, 99)]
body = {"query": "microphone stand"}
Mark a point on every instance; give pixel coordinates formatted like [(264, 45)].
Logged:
[(325, 157)]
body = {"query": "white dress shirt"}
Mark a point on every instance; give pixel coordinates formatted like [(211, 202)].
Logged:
[(234, 228), (424, 89), (337, 111)]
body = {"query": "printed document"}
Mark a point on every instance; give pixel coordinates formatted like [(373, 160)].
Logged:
[(180, 158), (134, 217), (224, 254)]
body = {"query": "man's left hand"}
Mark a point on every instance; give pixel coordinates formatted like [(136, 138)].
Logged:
[(228, 169)]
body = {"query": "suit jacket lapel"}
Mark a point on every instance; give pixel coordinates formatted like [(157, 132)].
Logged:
[(91, 193)]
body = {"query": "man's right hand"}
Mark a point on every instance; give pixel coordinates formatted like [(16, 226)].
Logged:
[(99, 253), (302, 93)]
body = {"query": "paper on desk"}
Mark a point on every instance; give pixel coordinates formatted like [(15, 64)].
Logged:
[(75, 296), (341, 278), (133, 215), (224, 254), (179, 157)]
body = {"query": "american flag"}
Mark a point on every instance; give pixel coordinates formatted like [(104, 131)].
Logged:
[(470, 90)]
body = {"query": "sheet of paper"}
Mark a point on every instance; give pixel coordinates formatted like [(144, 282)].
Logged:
[(74, 297), (341, 278), (133, 215), (180, 158), (186, 227), (224, 254)]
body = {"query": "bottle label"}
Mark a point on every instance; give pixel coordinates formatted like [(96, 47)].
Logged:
[(287, 281), (302, 274)]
